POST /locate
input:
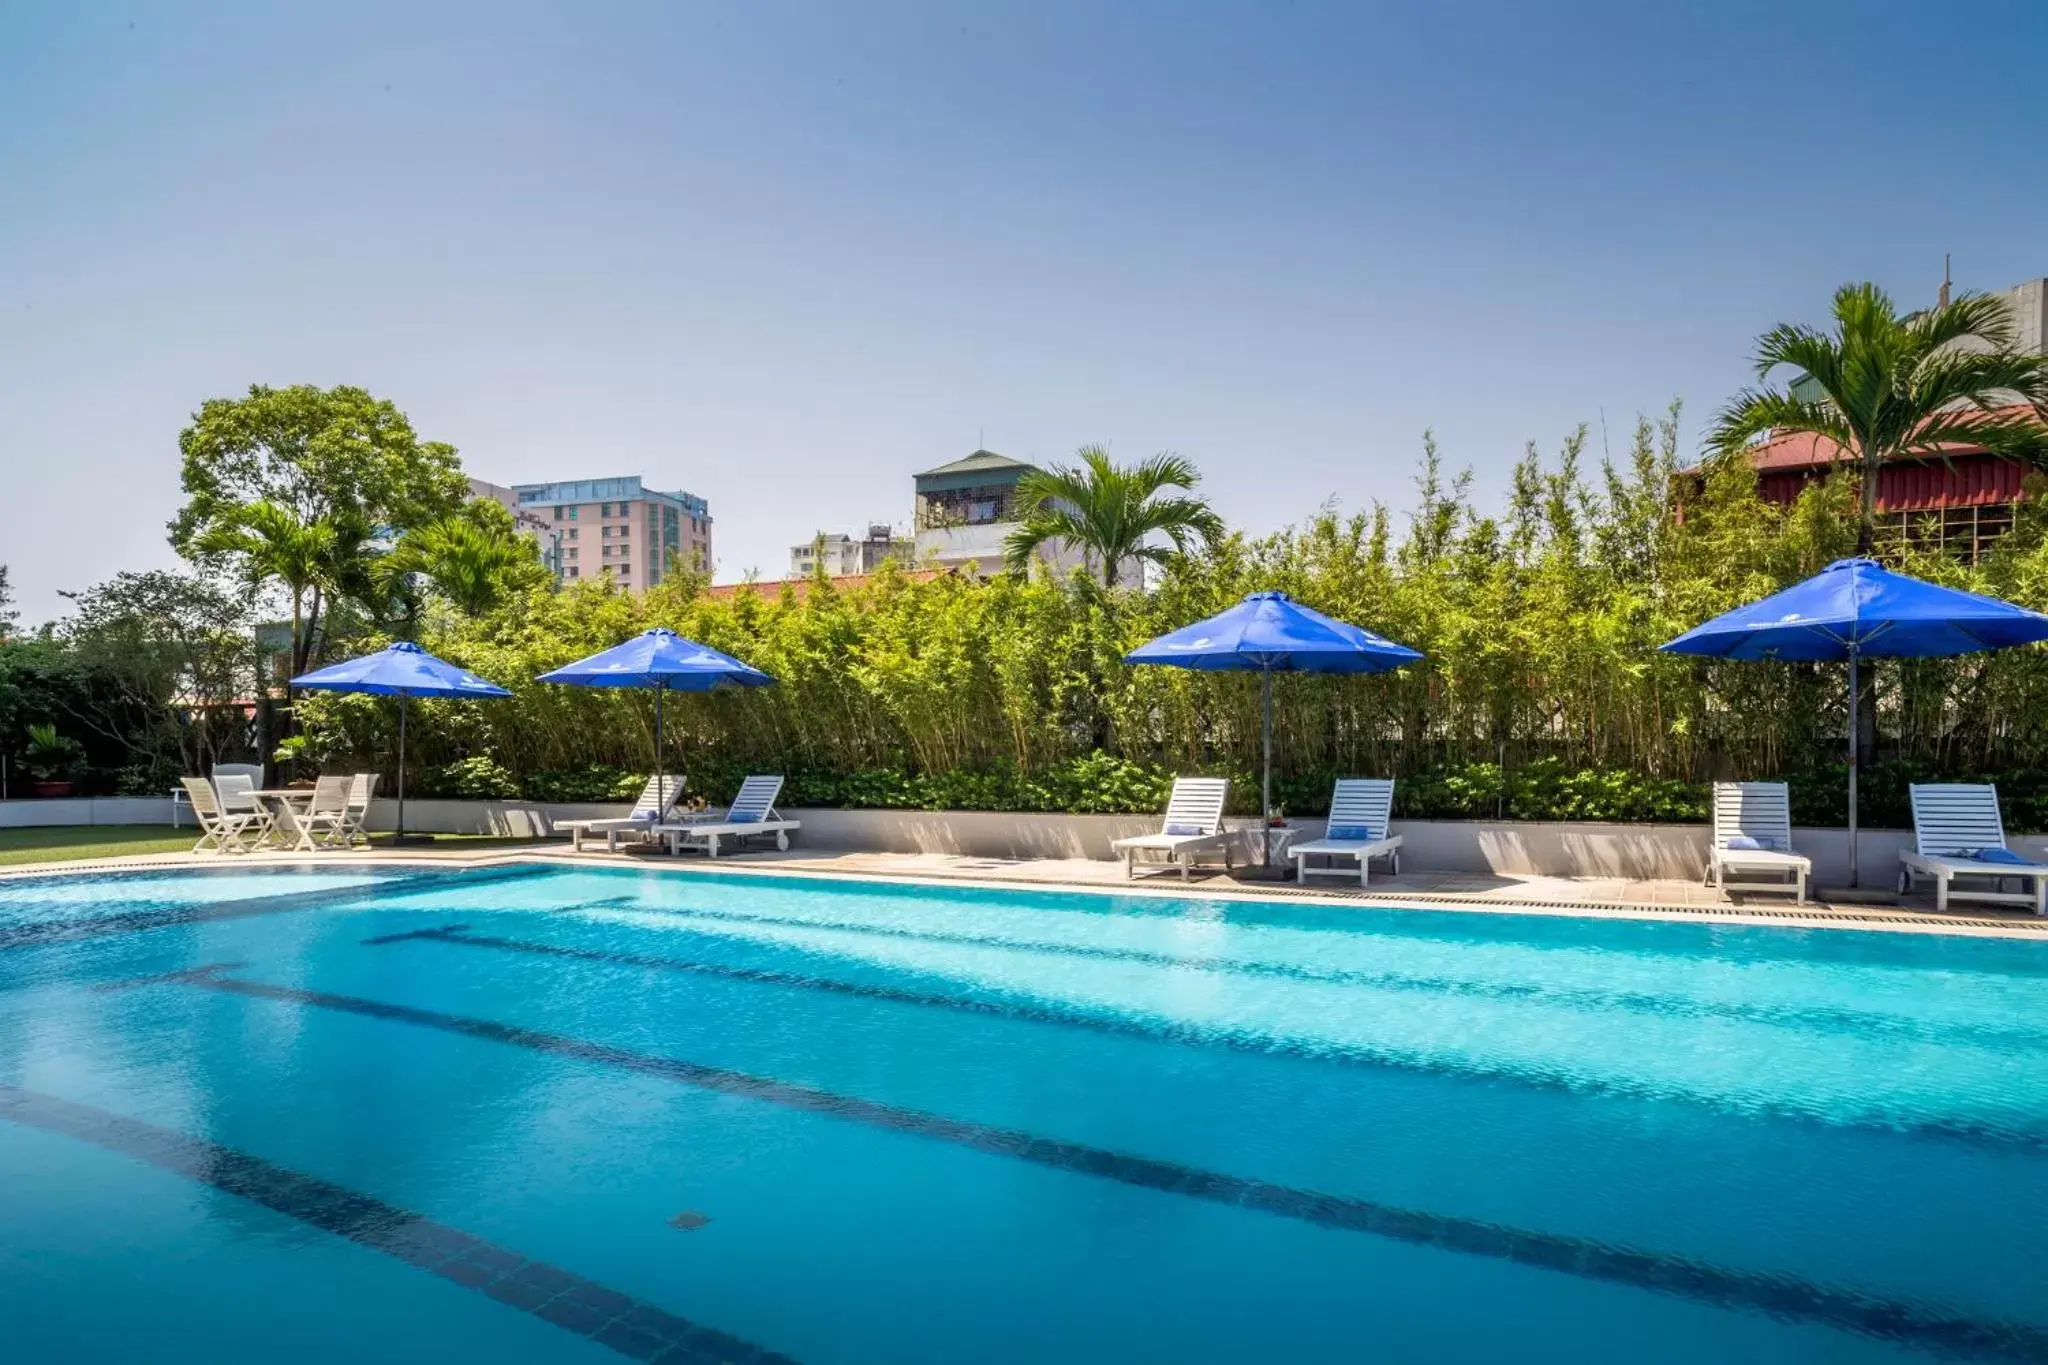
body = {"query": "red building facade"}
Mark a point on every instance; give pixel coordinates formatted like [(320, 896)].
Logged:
[(1962, 500)]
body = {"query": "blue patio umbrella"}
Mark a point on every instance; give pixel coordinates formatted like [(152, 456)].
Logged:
[(1856, 609), (1270, 633), (666, 662), (402, 670)]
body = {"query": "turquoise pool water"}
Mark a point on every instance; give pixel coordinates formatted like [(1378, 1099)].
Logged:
[(544, 1114)]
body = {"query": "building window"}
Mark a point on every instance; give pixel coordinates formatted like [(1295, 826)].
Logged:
[(572, 571), (572, 513), (625, 570), (606, 533), (558, 512), (572, 554), (572, 533)]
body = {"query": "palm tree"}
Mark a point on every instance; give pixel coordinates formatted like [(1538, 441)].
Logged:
[(1110, 511), (1883, 387), (272, 544), (475, 566)]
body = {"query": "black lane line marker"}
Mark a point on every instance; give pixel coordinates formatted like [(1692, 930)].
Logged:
[(1777, 1295), (586, 1308), (1854, 1023), (135, 921), (181, 974), (381, 939), (1195, 1036)]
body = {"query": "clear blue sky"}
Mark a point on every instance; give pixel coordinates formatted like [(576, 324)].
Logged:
[(785, 254)]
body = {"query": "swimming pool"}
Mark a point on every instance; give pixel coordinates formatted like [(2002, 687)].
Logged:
[(536, 1113)]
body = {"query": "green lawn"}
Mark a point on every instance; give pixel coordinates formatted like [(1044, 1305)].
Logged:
[(50, 843), (78, 843)]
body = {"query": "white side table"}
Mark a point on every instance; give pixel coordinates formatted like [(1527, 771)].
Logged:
[(1277, 840)]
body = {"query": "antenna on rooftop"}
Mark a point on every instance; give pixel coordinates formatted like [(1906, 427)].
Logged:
[(1944, 279)]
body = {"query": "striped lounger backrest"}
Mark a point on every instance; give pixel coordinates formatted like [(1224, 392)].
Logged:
[(1754, 810), (756, 797), (1956, 817), (1363, 803), (1197, 801)]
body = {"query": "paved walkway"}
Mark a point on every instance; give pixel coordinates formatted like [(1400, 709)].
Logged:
[(1501, 892)]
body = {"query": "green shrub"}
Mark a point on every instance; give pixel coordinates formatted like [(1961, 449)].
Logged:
[(597, 783), (470, 779)]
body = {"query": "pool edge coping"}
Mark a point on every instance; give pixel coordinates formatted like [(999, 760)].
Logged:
[(1790, 917)]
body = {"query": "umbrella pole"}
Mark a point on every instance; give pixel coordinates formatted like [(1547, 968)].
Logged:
[(1853, 690), (660, 755), (1266, 783), (398, 836)]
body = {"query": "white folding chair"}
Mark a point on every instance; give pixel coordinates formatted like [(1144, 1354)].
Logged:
[(237, 791), (324, 817), (221, 830), (361, 788)]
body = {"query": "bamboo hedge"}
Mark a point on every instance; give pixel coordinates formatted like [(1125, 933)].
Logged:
[(1542, 694)]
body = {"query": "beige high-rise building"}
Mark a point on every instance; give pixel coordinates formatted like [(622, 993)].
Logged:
[(587, 526)]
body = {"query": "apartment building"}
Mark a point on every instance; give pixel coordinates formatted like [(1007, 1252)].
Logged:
[(587, 527), (964, 511), (842, 555)]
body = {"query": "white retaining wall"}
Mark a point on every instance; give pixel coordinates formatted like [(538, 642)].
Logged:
[(89, 810)]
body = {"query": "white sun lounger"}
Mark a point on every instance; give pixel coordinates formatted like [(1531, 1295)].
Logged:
[(1959, 833), (751, 813), (1194, 821), (1753, 833), (656, 801), (1359, 810)]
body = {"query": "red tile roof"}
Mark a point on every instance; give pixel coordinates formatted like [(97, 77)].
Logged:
[(802, 586), (1802, 450)]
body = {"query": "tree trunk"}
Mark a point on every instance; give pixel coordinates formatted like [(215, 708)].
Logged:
[(312, 629), (1866, 528)]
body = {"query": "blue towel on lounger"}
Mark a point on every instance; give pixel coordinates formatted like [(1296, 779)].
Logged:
[(1997, 855)]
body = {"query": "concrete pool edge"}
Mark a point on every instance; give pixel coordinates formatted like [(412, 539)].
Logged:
[(1786, 916)]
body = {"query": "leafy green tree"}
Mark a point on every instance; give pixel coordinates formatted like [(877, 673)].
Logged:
[(1111, 511), (475, 558), (7, 613), (322, 454), (1883, 386), (172, 661), (268, 543)]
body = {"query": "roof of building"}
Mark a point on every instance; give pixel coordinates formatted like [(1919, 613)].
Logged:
[(1803, 450), (623, 488), (801, 587), (981, 461)]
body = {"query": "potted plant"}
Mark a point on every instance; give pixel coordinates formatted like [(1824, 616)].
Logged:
[(52, 761)]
